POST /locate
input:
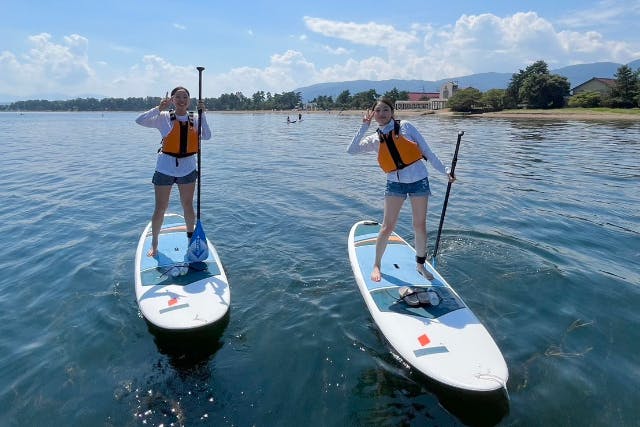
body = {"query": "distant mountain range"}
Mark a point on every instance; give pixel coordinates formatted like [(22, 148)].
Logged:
[(576, 74)]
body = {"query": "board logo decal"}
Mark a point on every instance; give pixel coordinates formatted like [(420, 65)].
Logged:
[(423, 340), (173, 308), (393, 239), (428, 351)]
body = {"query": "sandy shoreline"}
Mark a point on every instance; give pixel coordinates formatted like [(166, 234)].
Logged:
[(510, 114)]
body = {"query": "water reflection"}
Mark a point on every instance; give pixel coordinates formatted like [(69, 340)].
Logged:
[(189, 349), (180, 390), (401, 396)]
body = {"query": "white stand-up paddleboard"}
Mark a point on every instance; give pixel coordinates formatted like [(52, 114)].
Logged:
[(173, 294), (431, 328)]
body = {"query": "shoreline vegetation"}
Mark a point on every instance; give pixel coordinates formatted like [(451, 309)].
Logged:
[(551, 114), (604, 114)]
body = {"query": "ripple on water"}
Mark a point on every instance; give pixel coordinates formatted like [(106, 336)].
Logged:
[(539, 240)]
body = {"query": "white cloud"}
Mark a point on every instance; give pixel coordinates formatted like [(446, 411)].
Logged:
[(153, 78), (605, 13), (374, 51), (370, 34), (474, 43), (490, 43), (336, 50), (284, 73), (179, 26), (47, 67)]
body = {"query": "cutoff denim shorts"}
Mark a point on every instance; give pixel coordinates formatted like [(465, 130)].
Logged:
[(413, 189), (161, 179)]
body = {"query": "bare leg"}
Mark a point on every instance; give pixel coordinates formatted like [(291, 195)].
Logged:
[(419, 212), (186, 199), (162, 202), (392, 206)]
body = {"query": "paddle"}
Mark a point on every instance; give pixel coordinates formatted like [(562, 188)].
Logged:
[(198, 250), (446, 199)]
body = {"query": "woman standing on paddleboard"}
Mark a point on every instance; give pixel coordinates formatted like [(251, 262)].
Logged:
[(176, 162), (400, 149)]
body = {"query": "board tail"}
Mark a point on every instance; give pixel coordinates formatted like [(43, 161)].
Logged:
[(198, 249)]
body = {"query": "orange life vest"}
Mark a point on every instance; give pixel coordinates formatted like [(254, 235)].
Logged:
[(182, 140), (396, 152)]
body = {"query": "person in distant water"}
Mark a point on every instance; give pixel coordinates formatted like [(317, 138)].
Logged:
[(299, 116), (177, 161), (288, 119), (407, 175)]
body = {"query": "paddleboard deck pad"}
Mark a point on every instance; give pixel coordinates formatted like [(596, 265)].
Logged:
[(173, 294), (425, 321)]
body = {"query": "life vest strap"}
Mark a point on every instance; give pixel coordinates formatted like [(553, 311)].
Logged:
[(393, 150), (182, 138)]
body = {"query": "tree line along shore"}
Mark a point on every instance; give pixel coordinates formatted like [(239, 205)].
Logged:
[(532, 93)]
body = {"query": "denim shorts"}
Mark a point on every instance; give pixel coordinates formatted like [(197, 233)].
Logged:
[(162, 179), (413, 189)]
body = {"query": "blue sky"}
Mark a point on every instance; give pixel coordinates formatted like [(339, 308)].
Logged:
[(114, 48)]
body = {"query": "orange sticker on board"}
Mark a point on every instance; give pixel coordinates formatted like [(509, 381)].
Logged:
[(173, 301), (424, 340)]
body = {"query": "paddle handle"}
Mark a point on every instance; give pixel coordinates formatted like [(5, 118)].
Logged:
[(200, 70), (446, 199)]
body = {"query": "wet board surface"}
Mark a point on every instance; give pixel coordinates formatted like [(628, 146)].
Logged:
[(173, 301), (444, 341)]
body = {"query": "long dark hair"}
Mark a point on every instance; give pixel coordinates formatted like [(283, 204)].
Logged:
[(384, 101), (173, 92)]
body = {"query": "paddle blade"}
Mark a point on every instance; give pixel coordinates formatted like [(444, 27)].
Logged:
[(198, 249)]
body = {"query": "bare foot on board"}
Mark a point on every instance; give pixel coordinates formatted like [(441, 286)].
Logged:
[(376, 276), (423, 271)]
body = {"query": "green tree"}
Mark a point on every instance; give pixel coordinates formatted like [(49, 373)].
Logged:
[(586, 100), (344, 99), (512, 98), (537, 88), (258, 100), (544, 91), (494, 99), (625, 91), (465, 100), (324, 102), (363, 100), (396, 95)]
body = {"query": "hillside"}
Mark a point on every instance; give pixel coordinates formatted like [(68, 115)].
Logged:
[(576, 74)]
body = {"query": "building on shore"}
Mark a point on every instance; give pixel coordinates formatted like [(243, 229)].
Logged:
[(428, 100), (600, 85)]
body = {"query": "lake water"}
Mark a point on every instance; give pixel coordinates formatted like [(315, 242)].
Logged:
[(541, 239)]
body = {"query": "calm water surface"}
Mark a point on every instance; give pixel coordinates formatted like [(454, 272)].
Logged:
[(542, 240)]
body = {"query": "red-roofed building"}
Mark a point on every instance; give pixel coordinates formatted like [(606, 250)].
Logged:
[(428, 100), (422, 96)]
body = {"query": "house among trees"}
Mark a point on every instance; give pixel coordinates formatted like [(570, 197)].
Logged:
[(428, 100), (595, 84)]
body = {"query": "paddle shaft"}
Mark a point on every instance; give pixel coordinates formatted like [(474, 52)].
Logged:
[(200, 70), (446, 199)]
